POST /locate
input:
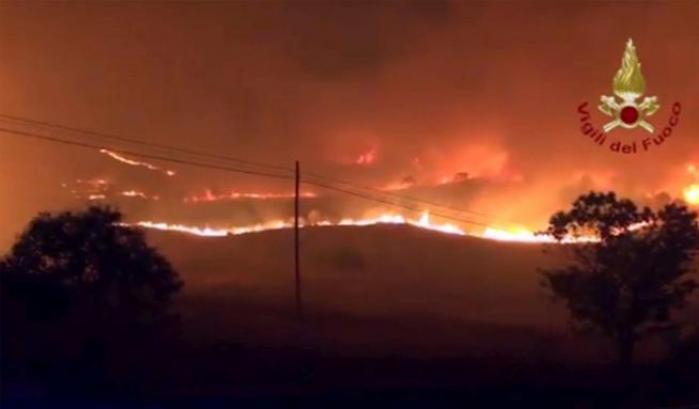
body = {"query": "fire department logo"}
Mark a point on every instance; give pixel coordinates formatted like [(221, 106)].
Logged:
[(628, 109), (629, 86)]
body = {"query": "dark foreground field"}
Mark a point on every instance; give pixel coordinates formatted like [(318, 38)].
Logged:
[(393, 317)]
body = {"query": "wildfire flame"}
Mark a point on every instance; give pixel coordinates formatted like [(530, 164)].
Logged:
[(691, 194), (515, 234), (523, 235), (387, 218), (93, 183), (209, 196), (90, 189), (136, 193), (197, 231), (132, 162)]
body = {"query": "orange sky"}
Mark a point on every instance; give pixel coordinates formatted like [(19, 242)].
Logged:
[(433, 89)]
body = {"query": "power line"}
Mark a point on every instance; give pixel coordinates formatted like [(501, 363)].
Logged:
[(398, 195), (411, 208), (228, 169), (171, 148), (109, 136), (142, 155)]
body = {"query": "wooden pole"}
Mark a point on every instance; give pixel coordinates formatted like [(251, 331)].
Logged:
[(297, 258)]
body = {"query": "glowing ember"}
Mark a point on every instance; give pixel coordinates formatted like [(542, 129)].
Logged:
[(209, 196), (90, 189), (691, 194), (132, 162), (135, 193), (95, 183)]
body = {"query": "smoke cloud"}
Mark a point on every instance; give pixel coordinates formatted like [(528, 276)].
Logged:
[(484, 95)]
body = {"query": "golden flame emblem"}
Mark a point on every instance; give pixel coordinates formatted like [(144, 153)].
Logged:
[(629, 79), (629, 85)]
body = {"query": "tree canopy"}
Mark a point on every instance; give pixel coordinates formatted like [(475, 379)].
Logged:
[(87, 260), (633, 274)]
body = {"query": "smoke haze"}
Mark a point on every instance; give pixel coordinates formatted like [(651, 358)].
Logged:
[(377, 93)]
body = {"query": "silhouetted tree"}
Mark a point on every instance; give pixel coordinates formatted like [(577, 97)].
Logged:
[(628, 281), (81, 277), (88, 260)]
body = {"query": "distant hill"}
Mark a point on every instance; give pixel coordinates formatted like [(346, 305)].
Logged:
[(374, 288)]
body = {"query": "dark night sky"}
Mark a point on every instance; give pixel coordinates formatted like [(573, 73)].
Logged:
[(432, 88)]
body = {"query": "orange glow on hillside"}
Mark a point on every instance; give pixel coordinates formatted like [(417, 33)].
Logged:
[(386, 218), (514, 234)]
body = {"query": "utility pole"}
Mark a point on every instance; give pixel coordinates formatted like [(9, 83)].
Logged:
[(297, 258)]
